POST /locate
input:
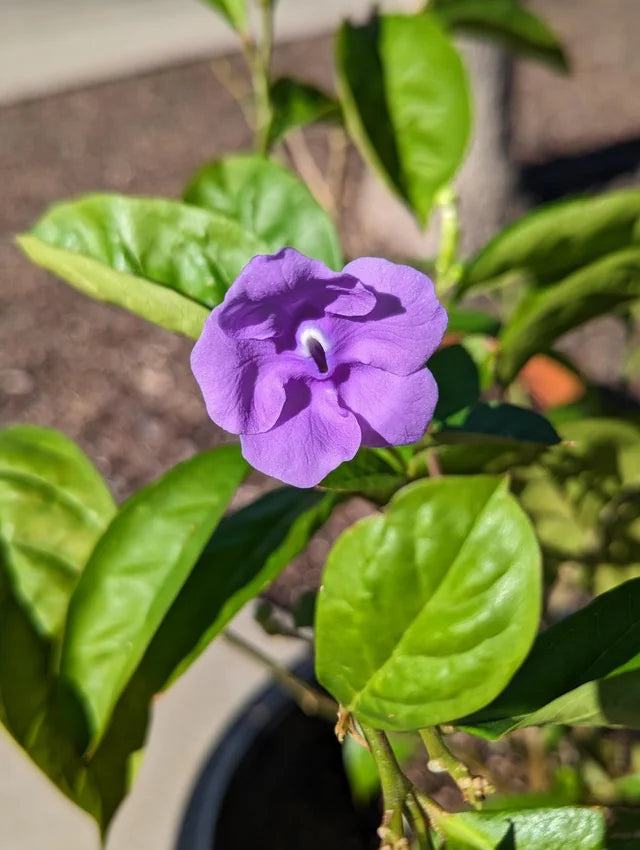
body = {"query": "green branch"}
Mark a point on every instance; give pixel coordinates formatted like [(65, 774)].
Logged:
[(473, 789), (394, 784), (448, 269)]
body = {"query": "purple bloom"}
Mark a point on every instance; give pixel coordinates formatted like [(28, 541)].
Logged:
[(307, 364)]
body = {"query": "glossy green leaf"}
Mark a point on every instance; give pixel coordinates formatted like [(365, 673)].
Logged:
[(163, 307), (25, 659), (163, 260), (566, 674), (135, 573), (508, 23), (268, 202), (247, 551), (235, 12), (568, 828), (511, 421), (373, 473), (406, 103), (458, 380), (599, 288), (431, 606), (559, 238), (54, 506), (45, 720), (612, 702), (296, 104)]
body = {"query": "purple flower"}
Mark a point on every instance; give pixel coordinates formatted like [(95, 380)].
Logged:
[(307, 364)]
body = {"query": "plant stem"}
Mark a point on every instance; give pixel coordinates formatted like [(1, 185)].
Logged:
[(310, 700), (394, 784), (448, 269), (419, 821), (260, 63), (439, 752), (302, 158)]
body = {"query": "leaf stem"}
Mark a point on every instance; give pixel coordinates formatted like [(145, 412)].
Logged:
[(310, 700), (419, 820), (448, 269), (394, 784), (439, 752)]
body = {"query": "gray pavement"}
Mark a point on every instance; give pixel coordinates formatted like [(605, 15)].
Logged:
[(49, 45)]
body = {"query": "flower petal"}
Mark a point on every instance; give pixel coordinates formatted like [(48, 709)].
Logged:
[(354, 300), (402, 331), (392, 410), (313, 436), (242, 381), (275, 291)]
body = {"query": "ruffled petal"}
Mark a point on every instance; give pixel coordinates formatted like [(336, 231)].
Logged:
[(242, 382), (313, 435), (402, 331), (356, 300), (392, 410), (275, 291)]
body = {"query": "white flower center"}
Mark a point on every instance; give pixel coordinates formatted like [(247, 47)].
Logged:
[(315, 346)]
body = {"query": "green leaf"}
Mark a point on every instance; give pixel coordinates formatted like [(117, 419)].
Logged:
[(611, 446), (482, 350), (612, 702), (628, 787), (575, 498), (599, 288), (270, 203), (428, 608), (466, 320), (163, 260), (374, 473), (44, 719), (136, 571), (511, 421), (568, 828), (508, 23), (406, 103), (54, 506), (163, 307), (458, 380), (565, 528), (247, 551), (460, 453), (296, 104), (235, 13), (566, 672), (559, 238)]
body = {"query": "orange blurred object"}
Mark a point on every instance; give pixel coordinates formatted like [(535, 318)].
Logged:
[(550, 383)]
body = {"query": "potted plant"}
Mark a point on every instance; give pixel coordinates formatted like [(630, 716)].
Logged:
[(340, 382)]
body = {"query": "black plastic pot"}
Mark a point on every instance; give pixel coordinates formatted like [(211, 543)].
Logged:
[(275, 781)]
